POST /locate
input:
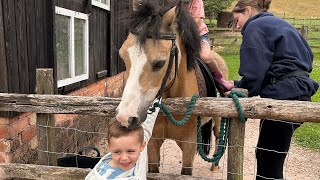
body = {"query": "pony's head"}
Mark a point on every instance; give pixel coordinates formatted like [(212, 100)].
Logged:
[(157, 30)]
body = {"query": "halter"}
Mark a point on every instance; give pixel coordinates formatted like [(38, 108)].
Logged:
[(173, 55)]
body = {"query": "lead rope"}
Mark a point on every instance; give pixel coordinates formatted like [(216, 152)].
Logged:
[(224, 127), (224, 131)]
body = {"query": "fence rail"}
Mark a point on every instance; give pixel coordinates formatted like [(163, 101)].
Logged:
[(32, 171), (256, 108)]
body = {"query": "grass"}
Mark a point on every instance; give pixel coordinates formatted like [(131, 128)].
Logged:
[(308, 135)]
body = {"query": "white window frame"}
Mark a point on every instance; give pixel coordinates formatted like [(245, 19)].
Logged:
[(101, 5), (77, 15)]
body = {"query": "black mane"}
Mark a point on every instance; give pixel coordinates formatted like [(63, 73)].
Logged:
[(147, 21)]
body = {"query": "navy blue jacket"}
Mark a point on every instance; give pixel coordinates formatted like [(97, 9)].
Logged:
[(271, 47)]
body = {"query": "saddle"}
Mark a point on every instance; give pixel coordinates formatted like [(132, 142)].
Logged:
[(206, 83)]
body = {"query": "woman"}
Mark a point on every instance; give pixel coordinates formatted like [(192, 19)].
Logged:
[(275, 62)]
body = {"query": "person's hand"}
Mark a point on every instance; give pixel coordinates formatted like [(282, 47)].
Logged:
[(227, 93), (231, 82)]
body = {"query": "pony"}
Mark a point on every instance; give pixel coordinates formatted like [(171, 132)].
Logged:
[(160, 57)]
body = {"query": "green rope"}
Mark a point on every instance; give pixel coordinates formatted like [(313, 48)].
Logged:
[(187, 114), (224, 126), (234, 96), (224, 129)]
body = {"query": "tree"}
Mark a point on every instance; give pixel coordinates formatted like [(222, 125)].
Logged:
[(213, 7)]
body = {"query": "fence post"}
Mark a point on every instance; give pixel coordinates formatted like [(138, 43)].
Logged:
[(304, 31), (46, 136), (235, 146)]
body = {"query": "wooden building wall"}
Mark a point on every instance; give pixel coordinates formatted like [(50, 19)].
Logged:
[(99, 41), (25, 43), (119, 33)]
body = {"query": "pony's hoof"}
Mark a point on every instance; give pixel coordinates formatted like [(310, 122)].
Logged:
[(153, 169), (186, 171), (214, 168)]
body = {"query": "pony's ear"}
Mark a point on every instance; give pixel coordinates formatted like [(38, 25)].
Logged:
[(169, 18), (178, 8)]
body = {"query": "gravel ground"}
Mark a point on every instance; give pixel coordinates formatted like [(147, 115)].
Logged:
[(301, 163)]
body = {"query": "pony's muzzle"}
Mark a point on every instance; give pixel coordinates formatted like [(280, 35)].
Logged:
[(133, 122)]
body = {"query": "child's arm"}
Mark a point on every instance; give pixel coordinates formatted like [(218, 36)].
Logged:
[(148, 124)]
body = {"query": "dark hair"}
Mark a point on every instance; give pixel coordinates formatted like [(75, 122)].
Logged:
[(259, 5), (116, 130)]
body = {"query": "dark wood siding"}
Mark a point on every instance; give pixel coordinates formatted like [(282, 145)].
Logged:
[(118, 34), (22, 48), (31, 43), (99, 28), (75, 5), (26, 43), (24, 31), (11, 45), (3, 58)]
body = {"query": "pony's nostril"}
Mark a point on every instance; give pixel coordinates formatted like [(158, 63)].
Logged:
[(133, 122)]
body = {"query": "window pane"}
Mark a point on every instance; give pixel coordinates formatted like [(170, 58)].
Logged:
[(79, 41), (104, 1), (63, 46)]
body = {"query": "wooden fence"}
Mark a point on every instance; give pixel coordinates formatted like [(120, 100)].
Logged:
[(231, 37), (256, 108)]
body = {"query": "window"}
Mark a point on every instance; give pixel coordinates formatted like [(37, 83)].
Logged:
[(72, 46), (104, 4)]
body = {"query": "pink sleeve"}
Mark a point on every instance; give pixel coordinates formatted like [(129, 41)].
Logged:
[(196, 9)]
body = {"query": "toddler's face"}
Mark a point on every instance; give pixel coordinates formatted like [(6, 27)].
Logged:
[(125, 151)]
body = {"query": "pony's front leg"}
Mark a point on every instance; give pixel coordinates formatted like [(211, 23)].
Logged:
[(154, 155), (216, 132), (154, 145), (188, 153)]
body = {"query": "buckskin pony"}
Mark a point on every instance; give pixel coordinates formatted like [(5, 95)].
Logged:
[(160, 57)]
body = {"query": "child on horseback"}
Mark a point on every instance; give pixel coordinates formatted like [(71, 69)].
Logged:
[(196, 10)]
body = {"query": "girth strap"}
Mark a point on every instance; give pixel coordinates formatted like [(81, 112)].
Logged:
[(297, 73)]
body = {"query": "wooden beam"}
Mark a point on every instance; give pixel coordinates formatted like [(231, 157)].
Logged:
[(256, 108), (46, 136), (31, 171)]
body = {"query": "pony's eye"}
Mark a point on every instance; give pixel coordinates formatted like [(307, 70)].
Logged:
[(157, 65)]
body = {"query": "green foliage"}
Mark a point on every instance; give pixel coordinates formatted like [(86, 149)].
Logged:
[(213, 7)]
